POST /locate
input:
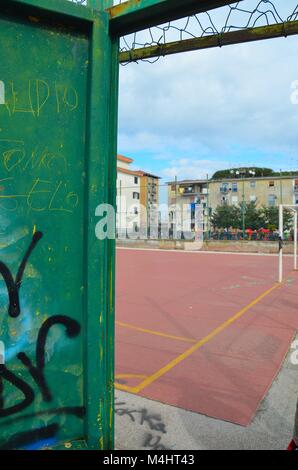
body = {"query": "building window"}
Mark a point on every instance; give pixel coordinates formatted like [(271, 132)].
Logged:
[(136, 211), (271, 200), (296, 185), (224, 188), (271, 184), (252, 184), (135, 227), (234, 187), (234, 200), (136, 195), (136, 180)]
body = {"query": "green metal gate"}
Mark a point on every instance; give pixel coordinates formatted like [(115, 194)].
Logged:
[(56, 136)]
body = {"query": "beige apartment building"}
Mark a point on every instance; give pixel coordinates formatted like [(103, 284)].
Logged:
[(264, 191)]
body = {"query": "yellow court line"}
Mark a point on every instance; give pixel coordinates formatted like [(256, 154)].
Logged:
[(152, 378), (126, 388), (157, 333), (130, 376)]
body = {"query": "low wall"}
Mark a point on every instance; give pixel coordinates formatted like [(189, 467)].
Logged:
[(212, 245), (247, 246)]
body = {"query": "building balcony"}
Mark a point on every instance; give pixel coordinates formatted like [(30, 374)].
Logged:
[(186, 191)]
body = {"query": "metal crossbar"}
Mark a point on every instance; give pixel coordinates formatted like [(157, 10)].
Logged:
[(238, 22)]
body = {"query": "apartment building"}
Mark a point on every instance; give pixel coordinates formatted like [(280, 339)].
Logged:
[(189, 193), (137, 196), (264, 191)]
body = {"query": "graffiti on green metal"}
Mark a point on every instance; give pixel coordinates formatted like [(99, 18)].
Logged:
[(42, 191)]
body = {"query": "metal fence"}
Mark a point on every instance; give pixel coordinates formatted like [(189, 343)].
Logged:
[(242, 21), (213, 29)]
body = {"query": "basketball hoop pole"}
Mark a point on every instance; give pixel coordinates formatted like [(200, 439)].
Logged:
[(280, 242)]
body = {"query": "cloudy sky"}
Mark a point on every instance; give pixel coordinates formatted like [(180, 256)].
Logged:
[(190, 114)]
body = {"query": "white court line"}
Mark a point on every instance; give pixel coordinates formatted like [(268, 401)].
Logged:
[(199, 251)]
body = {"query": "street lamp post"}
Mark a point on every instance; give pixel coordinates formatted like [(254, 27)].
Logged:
[(208, 213), (242, 174), (243, 210)]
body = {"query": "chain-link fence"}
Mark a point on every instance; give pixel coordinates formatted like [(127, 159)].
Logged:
[(241, 21), (213, 29)]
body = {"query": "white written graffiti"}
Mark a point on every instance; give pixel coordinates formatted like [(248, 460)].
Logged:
[(294, 354)]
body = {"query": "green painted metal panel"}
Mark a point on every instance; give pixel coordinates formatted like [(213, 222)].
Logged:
[(57, 145)]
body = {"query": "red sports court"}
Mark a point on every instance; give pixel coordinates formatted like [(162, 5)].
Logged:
[(205, 332)]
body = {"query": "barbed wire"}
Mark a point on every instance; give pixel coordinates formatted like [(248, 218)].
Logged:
[(234, 17)]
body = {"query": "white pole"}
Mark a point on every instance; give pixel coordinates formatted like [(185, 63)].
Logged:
[(295, 240), (280, 242)]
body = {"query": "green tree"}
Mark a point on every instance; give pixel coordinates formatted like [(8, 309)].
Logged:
[(253, 217), (231, 173), (226, 216), (269, 217)]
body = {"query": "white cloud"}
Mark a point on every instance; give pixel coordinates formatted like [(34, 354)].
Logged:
[(192, 169), (213, 108)]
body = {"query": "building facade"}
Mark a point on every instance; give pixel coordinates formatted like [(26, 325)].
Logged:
[(128, 196), (137, 198), (189, 193), (149, 196), (263, 191)]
